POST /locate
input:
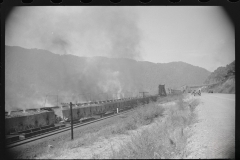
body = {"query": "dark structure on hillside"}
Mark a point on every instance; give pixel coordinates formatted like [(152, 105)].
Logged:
[(161, 90)]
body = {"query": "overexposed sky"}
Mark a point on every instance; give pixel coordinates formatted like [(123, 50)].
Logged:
[(201, 36)]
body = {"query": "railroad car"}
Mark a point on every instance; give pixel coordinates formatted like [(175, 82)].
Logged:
[(108, 106), (52, 115), (21, 121)]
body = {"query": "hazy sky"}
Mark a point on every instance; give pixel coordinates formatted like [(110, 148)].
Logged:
[(201, 36)]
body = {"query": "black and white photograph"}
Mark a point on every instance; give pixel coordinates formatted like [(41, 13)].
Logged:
[(119, 82)]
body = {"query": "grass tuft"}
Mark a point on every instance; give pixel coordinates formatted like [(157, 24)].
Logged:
[(166, 140)]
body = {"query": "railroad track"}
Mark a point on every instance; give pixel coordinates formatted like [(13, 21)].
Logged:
[(61, 130)]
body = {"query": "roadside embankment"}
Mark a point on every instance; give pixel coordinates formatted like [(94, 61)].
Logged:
[(152, 131)]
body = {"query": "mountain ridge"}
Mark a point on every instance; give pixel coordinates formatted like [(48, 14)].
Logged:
[(223, 79), (31, 74)]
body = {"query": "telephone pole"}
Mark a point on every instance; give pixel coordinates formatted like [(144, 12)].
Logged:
[(71, 120), (143, 93), (143, 97)]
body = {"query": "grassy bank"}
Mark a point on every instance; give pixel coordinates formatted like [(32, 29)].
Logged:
[(168, 139), (179, 118), (142, 116)]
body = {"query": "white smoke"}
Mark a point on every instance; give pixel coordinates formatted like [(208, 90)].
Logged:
[(111, 84), (81, 31)]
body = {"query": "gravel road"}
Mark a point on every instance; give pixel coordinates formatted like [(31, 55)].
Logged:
[(214, 135)]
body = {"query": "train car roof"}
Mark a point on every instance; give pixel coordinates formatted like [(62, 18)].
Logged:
[(99, 104), (22, 114)]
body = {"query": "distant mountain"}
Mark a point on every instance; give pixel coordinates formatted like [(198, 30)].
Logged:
[(224, 79), (32, 74)]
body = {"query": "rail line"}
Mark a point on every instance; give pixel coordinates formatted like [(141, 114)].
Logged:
[(61, 130)]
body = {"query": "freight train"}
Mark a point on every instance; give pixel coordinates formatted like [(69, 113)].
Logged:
[(30, 122), (49, 116)]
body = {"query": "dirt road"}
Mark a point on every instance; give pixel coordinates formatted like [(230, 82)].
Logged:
[(214, 134)]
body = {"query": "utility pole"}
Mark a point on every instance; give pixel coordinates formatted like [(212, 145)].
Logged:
[(71, 121), (143, 93), (143, 96)]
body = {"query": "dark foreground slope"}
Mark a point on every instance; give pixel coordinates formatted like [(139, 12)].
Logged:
[(31, 74), (224, 79)]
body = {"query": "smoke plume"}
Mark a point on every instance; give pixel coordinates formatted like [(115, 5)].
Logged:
[(81, 31)]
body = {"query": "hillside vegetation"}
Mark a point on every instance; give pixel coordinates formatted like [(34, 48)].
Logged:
[(31, 74), (224, 79)]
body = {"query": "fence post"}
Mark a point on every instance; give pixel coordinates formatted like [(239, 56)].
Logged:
[(71, 121)]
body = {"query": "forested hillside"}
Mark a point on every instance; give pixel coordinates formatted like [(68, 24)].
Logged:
[(224, 79), (32, 74)]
